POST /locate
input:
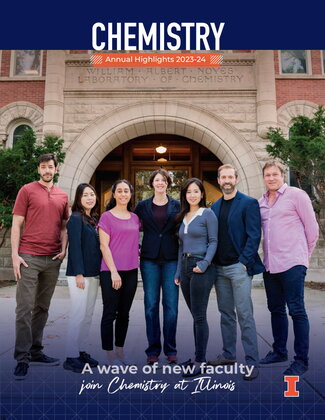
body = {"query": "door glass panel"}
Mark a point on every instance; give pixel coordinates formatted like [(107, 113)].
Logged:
[(211, 186), (107, 179)]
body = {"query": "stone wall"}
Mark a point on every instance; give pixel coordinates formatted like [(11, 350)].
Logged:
[(6, 272), (225, 109)]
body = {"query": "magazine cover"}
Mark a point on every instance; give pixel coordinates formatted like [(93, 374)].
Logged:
[(145, 271)]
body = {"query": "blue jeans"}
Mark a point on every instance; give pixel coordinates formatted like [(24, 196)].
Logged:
[(287, 288), (158, 275), (196, 288), (233, 288)]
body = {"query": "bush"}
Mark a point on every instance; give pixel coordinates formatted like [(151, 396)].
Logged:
[(18, 166), (304, 153)]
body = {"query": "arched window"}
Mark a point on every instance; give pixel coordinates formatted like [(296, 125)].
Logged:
[(18, 131)]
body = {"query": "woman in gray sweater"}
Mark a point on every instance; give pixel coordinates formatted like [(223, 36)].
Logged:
[(195, 274)]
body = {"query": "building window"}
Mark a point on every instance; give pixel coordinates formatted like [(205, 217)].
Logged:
[(16, 129), (294, 62), (27, 63)]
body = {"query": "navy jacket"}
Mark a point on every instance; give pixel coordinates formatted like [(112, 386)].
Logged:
[(153, 238), (244, 227), (84, 255)]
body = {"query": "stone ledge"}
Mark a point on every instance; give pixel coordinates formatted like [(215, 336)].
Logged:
[(6, 274), (313, 275), (316, 274)]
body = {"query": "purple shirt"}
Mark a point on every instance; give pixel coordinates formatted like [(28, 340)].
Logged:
[(290, 229), (123, 240)]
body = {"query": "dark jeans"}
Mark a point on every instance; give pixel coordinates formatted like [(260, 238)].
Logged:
[(156, 276), (34, 293), (116, 307), (288, 288), (196, 289)]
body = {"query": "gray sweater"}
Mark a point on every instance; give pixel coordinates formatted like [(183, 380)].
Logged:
[(199, 237)]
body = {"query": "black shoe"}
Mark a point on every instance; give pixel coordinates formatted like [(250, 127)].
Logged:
[(197, 371), (297, 368), (44, 360), (21, 371), (221, 360), (74, 364), (273, 357), (254, 374), (186, 363), (86, 358)]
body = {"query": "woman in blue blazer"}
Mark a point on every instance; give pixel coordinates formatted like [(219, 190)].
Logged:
[(158, 263), (84, 258)]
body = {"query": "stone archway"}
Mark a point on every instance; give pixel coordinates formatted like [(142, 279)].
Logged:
[(150, 117), (292, 109), (24, 111)]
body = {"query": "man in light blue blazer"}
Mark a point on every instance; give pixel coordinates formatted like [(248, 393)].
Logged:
[(236, 260)]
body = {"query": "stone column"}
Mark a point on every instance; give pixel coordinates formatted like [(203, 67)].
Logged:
[(54, 100), (266, 96)]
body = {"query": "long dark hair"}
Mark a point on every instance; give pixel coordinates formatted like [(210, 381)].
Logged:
[(112, 201), (77, 206), (185, 207)]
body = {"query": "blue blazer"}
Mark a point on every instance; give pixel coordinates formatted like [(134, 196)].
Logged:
[(153, 238), (244, 228), (84, 256)]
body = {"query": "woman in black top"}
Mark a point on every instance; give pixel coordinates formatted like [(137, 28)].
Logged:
[(83, 268), (159, 252)]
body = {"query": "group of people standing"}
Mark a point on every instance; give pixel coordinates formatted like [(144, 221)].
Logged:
[(185, 244)]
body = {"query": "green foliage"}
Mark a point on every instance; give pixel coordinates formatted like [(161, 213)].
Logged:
[(18, 166), (304, 153)]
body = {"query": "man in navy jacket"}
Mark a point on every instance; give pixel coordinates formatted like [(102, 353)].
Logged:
[(236, 261)]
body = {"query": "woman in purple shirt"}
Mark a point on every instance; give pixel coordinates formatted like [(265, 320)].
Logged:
[(119, 238)]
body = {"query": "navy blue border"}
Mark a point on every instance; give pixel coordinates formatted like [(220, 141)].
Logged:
[(248, 25)]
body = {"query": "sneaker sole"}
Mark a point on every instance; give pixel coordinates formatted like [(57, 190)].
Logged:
[(270, 363), (151, 362), (72, 369), (192, 375), (44, 364), (20, 378), (213, 363), (92, 365), (128, 363), (249, 378), (285, 373)]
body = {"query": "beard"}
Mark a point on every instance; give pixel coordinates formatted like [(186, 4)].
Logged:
[(228, 188), (47, 177)]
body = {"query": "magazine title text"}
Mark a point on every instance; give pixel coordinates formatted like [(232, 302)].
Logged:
[(159, 36)]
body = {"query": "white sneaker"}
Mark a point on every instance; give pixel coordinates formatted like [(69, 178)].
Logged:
[(126, 361), (115, 362)]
